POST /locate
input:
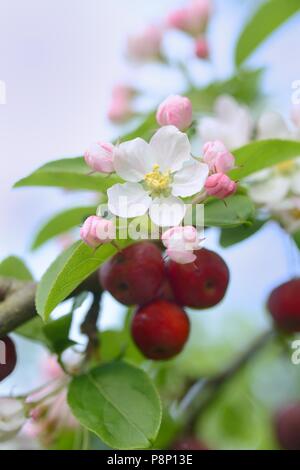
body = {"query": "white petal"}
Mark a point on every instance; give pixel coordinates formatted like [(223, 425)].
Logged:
[(190, 180), (295, 183), (133, 159), (128, 200), (270, 192), (261, 175), (167, 212), (171, 148), (272, 126), (226, 107)]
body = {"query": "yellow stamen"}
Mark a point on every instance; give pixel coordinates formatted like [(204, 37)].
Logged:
[(295, 213), (286, 167), (156, 181)]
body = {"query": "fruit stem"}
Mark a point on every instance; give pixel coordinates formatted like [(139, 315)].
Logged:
[(116, 246)]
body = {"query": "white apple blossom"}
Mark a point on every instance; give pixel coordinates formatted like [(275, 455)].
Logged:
[(231, 123), (157, 174), (271, 125), (275, 184), (12, 417), (288, 213), (270, 187)]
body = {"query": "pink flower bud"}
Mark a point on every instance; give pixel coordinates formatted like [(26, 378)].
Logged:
[(178, 19), (181, 243), (217, 157), (97, 230), (201, 48), (193, 19), (123, 92), (177, 111), (146, 46), (119, 110), (99, 157), (220, 186)]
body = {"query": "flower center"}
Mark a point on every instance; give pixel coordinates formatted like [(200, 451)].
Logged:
[(295, 213), (286, 167), (157, 182)]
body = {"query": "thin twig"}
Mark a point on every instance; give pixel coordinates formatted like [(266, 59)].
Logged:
[(89, 328), (204, 391)]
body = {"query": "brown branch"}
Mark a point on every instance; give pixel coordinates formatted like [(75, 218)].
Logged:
[(89, 328), (204, 391), (17, 300)]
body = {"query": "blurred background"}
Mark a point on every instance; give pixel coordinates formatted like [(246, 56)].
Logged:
[(59, 60)]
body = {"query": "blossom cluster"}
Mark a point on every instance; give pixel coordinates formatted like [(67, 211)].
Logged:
[(275, 190), (159, 177), (44, 414)]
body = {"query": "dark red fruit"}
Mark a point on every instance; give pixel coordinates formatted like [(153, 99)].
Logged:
[(201, 284), (160, 329), (287, 427), (284, 306), (189, 443), (165, 292), (134, 275), (8, 357)]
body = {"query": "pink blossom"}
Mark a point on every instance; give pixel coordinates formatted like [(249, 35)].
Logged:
[(220, 186), (48, 408), (181, 242), (122, 91), (192, 19), (51, 369), (99, 157), (119, 110), (97, 230), (177, 111), (146, 45), (201, 48), (217, 157)]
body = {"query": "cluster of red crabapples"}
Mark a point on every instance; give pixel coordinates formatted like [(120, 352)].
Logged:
[(139, 275)]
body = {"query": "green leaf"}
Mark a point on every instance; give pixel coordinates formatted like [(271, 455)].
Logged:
[(118, 343), (296, 237), (239, 210), (267, 19), (232, 236), (34, 331), (119, 403), (67, 272), (144, 130), (57, 333), (16, 268), (61, 223), (70, 173), (263, 154), (244, 87)]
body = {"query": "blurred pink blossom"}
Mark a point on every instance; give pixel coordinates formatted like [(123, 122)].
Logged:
[(177, 111)]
